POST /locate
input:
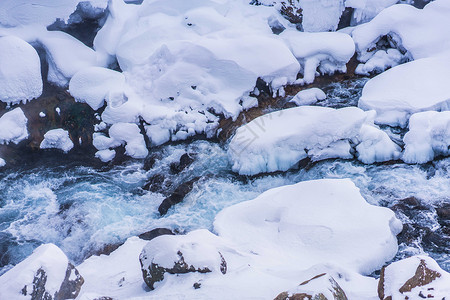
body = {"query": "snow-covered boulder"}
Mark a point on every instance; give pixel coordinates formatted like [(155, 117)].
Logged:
[(57, 139), (20, 71), (45, 274), (2, 162), (129, 134), (428, 137), (194, 252), (321, 286), (418, 32), (416, 277), (278, 140), (313, 222), (417, 86), (308, 96), (13, 126)]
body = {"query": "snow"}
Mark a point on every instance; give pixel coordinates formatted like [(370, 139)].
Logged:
[(20, 71), (42, 114), (417, 86), (420, 32), (105, 155), (365, 10), (270, 244), (398, 273), (308, 96), (327, 52), (380, 61), (428, 137), (321, 15), (278, 140), (129, 134), (47, 257), (2, 162), (93, 85), (57, 138), (13, 127)]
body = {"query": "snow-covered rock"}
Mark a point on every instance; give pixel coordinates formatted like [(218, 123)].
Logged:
[(20, 71), (308, 96), (2, 162), (13, 127), (418, 32), (57, 139), (428, 137), (129, 134), (416, 277), (313, 222), (417, 86), (381, 61), (278, 140), (105, 155), (365, 10), (45, 274), (194, 252)]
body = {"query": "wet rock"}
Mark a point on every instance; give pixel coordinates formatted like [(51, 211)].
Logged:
[(149, 162), (45, 275), (156, 184), (413, 278), (177, 196), (320, 287), (150, 235), (185, 161), (180, 254)]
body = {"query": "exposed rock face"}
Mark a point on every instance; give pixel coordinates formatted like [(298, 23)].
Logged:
[(177, 196), (308, 290), (45, 275), (150, 235), (185, 161), (179, 255), (413, 278)]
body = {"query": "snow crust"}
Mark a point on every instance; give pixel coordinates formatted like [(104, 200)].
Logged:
[(278, 140), (283, 237), (13, 127), (417, 86), (47, 257), (20, 71), (428, 137), (57, 138)]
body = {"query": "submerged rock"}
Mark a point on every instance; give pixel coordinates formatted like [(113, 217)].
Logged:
[(185, 161), (46, 274), (177, 196)]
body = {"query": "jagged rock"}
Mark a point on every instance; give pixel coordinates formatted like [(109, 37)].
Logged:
[(177, 196), (47, 274), (176, 254), (413, 278), (320, 287), (150, 235), (185, 161)]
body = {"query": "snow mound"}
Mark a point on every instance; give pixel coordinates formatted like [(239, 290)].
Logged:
[(20, 71), (129, 134), (22, 278), (327, 52), (414, 278), (418, 32), (308, 96), (365, 10), (417, 86), (381, 61), (278, 140), (313, 222), (2, 162), (13, 127), (58, 139), (105, 155), (428, 137)]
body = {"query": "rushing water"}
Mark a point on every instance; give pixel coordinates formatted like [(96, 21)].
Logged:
[(81, 208)]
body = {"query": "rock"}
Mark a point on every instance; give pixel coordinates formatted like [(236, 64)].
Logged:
[(185, 161), (180, 255), (149, 162), (413, 278), (47, 274), (177, 196), (150, 235), (320, 287), (155, 184)]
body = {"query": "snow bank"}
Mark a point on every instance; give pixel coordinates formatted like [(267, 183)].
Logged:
[(22, 277), (428, 137), (417, 86), (308, 96), (278, 140), (414, 278), (270, 244), (20, 71), (420, 32), (13, 127), (58, 139)]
